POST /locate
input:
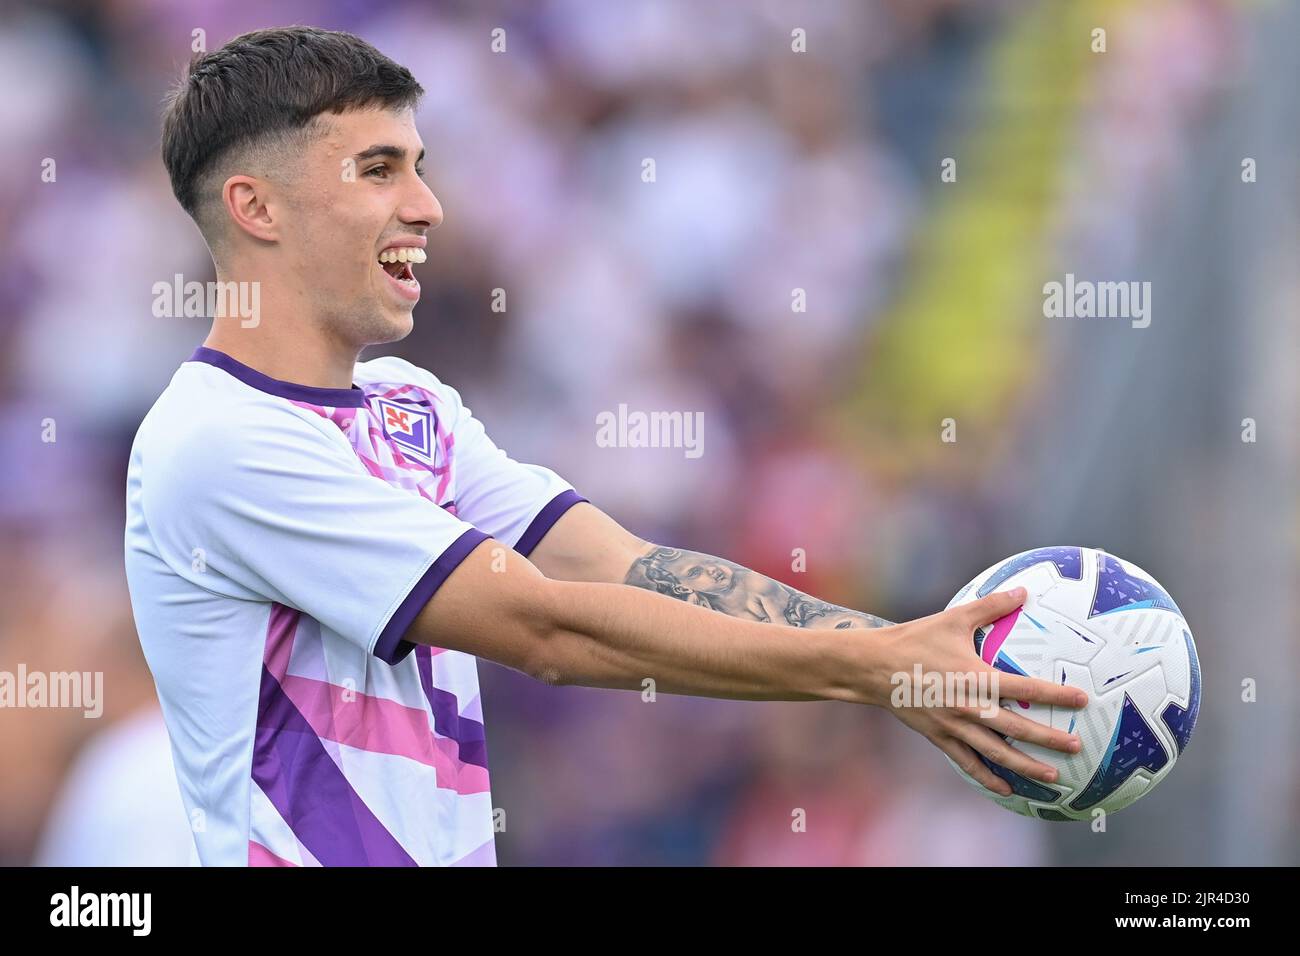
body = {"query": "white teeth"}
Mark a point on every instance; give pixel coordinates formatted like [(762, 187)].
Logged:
[(410, 254)]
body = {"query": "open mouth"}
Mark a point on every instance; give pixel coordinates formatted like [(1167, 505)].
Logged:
[(397, 264)]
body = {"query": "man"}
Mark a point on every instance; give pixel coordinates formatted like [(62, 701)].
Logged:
[(318, 549)]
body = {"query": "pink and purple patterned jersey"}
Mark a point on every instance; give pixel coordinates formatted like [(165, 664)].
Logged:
[(280, 540)]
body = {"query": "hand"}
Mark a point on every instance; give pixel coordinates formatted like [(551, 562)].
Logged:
[(943, 644)]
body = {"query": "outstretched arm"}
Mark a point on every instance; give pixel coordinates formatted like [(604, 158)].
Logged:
[(586, 545), (495, 604)]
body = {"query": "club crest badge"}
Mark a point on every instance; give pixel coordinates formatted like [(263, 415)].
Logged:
[(410, 427)]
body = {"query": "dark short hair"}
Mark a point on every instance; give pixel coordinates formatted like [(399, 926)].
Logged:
[(266, 85)]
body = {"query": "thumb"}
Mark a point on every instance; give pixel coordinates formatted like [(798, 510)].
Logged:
[(992, 607)]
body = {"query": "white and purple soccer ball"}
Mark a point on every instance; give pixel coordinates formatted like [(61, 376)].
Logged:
[(1104, 625)]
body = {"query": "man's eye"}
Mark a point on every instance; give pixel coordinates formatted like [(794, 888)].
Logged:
[(381, 168), (419, 171)]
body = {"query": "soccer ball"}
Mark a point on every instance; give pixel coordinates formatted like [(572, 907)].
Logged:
[(1104, 625)]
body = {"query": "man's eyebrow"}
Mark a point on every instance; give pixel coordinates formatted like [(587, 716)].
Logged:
[(387, 151)]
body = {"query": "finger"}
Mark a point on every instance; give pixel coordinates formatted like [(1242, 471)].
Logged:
[(970, 763), (984, 741), (1031, 731), (988, 609), (1039, 691)]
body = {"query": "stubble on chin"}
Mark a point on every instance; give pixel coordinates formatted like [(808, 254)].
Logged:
[(392, 327), (371, 323)]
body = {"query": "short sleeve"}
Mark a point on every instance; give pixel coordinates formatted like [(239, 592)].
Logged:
[(285, 511), (512, 501)]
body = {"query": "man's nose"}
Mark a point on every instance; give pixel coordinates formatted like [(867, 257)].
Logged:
[(423, 208)]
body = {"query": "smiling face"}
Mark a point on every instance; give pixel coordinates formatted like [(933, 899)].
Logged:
[(295, 151), (357, 195)]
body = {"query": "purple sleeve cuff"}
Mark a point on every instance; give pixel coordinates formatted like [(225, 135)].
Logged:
[(545, 518), (390, 647)]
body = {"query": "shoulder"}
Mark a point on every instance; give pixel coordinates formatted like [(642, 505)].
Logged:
[(395, 371), (206, 424)]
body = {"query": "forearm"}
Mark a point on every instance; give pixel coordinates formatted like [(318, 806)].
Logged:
[(610, 635), (737, 591)]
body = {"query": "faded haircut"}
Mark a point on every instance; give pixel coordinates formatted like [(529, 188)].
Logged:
[(261, 95)]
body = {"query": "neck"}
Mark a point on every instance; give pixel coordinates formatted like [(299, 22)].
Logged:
[(283, 343)]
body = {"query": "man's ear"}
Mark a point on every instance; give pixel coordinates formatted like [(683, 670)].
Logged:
[(246, 201)]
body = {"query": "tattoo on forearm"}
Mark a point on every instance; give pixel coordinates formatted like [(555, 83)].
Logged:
[(737, 591)]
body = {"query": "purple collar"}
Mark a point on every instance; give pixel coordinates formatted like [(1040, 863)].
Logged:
[(333, 397)]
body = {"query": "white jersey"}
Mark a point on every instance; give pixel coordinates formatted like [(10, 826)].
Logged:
[(280, 539)]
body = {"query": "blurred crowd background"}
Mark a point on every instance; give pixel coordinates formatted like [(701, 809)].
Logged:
[(775, 171)]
